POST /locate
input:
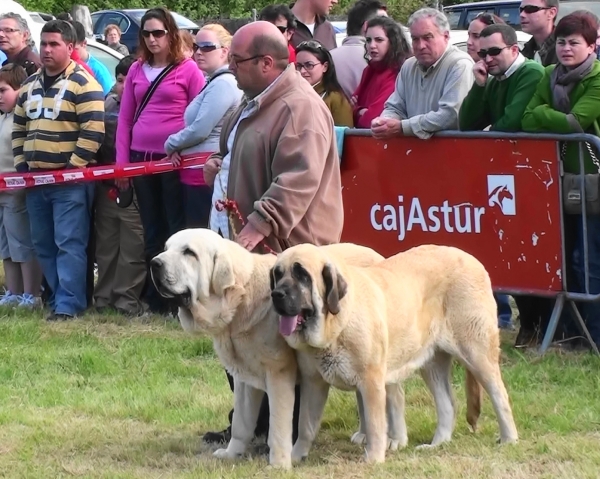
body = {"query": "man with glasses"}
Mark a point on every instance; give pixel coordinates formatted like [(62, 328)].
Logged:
[(14, 43), (537, 19), (282, 17), (505, 81), (278, 162)]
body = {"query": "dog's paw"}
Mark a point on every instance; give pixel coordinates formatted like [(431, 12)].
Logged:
[(224, 454), (508, 440), (425, 446), (358, 438), (395, 444)]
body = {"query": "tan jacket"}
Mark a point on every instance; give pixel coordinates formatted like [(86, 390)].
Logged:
[(338, 105), (284, 172)]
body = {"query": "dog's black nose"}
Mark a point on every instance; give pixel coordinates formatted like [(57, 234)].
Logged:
[(156, 262), (277, 294)]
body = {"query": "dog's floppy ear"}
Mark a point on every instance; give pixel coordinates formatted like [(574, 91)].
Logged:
[(222, 275), (335, 288)]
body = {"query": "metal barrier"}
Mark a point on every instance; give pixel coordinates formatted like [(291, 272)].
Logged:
[(494, 195)]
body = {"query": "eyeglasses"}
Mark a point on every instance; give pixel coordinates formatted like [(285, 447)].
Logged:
[(206, 47), (154, 33), (492, 52), (236, 62), (485, 18), (281, 28), (308, 66), (8, 30), (529, 9)]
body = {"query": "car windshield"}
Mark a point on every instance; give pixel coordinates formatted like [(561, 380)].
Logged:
[(181, 21)]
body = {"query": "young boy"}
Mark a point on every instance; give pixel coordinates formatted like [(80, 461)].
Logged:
[(22, 271), (119, 233)]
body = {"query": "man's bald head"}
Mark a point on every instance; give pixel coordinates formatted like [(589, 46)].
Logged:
[(264, 38)]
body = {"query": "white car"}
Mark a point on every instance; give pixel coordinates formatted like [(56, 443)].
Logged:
[(106, 55)]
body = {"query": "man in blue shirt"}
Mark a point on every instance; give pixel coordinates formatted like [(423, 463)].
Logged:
[(100, 72)]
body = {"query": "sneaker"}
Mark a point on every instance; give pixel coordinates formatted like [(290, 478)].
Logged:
[(9, 299), (29, 301), (221, 437), (526, 338), (59, 317)]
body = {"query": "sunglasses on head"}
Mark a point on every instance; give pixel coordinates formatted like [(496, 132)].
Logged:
[(206, 47), (486, 18), (281, 28), (310, 44), (532, 9), (154, 33), (493, 52)]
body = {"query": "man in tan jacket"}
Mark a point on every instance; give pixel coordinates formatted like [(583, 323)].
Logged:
[(277, 161)]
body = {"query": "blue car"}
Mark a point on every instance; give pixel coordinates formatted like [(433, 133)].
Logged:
[(128, 21)]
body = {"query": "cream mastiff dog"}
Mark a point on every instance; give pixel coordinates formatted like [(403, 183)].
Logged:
[(368, 328), (223, 291)]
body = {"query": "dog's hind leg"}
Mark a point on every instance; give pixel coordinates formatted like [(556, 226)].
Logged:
[(360, 437), (394, 410), (245, 414), (436, 374)]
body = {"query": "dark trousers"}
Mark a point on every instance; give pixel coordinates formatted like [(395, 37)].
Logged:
[(197, 202), (262, 424), (160, 200)]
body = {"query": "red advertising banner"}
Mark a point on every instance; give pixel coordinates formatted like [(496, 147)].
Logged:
[(496, 199)]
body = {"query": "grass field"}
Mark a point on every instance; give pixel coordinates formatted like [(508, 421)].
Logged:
[(102, 397)]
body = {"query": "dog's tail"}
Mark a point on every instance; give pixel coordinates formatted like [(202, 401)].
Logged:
[(473, 389)]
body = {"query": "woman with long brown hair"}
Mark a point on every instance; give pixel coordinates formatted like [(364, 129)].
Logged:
[(159, 87)]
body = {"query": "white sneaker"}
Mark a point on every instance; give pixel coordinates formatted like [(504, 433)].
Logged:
[(29, 301), (9, 299)]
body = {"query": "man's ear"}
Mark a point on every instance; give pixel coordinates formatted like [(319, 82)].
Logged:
[(222, 275), (335, 288)]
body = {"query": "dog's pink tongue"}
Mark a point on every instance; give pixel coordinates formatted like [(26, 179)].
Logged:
[(287, 324)]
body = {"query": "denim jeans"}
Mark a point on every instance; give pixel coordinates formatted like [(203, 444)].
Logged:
[(60, 227), (589, 311), (504, 311), (197, 201), (160, 201)]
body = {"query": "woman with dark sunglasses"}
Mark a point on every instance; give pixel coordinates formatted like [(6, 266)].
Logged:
[(475, 27), (315, 64), (144, 126), (203, 120), (386, 52)]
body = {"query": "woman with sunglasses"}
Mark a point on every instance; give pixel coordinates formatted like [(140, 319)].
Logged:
[(567, 101), (203, 120), (315, 64), (386, 52), (147, 117), (481, 21)]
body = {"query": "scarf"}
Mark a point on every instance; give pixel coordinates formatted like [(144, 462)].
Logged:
[(563, 80)]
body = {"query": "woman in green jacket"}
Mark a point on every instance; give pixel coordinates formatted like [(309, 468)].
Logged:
[(567, 100), (315, 64)]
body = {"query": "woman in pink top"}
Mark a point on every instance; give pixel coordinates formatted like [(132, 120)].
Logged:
[(160, 197)]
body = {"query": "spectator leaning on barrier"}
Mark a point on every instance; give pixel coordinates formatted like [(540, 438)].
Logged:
[(22, 271), (349, 58), (282, 17), (144, 127), (504, 83), (476, 26), (314, 63), (537, 19), (387, 50), (277, 161), (567, 100), (112, 33), (431, 86), (59, 123), (119, 233), (14, 43), (312, 23), (100, 72), (204, 118)]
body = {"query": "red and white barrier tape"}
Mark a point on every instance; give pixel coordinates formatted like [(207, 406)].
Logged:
[(16, 181)]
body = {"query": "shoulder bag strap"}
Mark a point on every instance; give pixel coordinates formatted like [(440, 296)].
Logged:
[(215, 77), (152, 89)]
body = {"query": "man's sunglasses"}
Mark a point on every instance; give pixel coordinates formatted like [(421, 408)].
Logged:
[(529, 9), (154, 33), (493, 52), (206, 47), (281, 28)]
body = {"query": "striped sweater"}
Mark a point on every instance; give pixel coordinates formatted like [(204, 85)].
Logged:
[(61, 127)]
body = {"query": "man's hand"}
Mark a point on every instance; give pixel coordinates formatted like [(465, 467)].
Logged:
[(175, 158), (211, 169), (249, 237), (353, 100), (383, 128), (480, 72)]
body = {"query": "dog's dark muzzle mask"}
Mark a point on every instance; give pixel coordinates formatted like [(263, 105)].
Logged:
[(288, 302)]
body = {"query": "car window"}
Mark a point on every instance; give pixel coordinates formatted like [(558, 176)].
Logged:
[(112, 18), (104, 57), (510, 14), (453, 18)]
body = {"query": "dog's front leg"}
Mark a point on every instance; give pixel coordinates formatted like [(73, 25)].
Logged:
[(245, 414), (372, 390), (280, 390), (360, 436)]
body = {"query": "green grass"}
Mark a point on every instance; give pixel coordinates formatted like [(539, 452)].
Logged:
[(102, 397)]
